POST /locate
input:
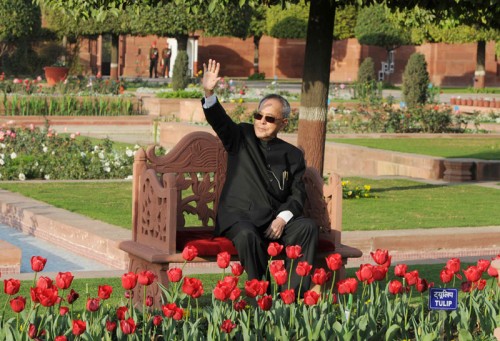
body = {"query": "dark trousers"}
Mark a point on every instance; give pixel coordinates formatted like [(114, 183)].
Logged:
[(251, 245), (153, 68)]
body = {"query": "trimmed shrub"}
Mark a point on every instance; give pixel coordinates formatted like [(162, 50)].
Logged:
[(180, 79), (415, 81), (366, 72)]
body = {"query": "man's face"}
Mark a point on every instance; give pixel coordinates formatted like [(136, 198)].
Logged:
[(265, 130)]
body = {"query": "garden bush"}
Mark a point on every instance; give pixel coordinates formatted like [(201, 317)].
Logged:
[(365, 307), (197, 94), (366, 72), (415, 81), (180, 79), (34, 153)]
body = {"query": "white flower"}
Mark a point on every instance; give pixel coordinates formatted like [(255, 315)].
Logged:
[(82, 154), (101, 155), (45, 149), (137, 146), (22, 177), (47, 176), (53, 152), (127, 178), (2, 145), (96, 148), (107, 169), (13, 155), (129, 152), (2, 162)]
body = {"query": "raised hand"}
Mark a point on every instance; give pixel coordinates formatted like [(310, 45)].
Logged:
[(210, 77)]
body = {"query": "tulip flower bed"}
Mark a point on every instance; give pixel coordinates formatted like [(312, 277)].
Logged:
[(364, 307)]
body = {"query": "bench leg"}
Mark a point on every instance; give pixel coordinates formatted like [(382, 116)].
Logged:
[(137, 265)]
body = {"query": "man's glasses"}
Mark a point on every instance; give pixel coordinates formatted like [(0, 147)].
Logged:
[(269, 119)]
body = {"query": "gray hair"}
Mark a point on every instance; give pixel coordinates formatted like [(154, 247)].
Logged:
[(284, 103)]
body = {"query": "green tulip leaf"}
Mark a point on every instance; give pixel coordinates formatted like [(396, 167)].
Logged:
[(390, 334)]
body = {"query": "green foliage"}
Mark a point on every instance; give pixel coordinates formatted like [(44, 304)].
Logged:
[(285, 21), (415, 81), (345, 21), (20, 19), (375, 26), (180, 79), (366, 72), (257, 76), (180, 94)]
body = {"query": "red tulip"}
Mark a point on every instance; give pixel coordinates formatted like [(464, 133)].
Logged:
[(60, 338), (334, 261), (472, 273), (240, 305), (169, 309), (129, 281), (63, 311), (303, 269), (47, 297), (92, 304), (466, 286), (157, 320), (492, 271), (411, 277), (121, 313), (446, 275), (311, 297), (379, 272), (252, 288), (179, 313), (11, 286), (380, 256), (32, 331), (64, 280), (128, 326), (110, 326), (453, 265), (146, 277), (395, 287), (44, 282), (79, 327), (192, 287), (265, 302), (365, 272), (235, 294), (18, 304), (237, 269), (223, 259), (189, 253), (422, 285), (274, 249), (38, 263), (104, 291), (281, 277), (222, 291), (347, 286), (72, 296), (320, 276), (174, 275), (275, 266), (227, 326), (293, 251), (483, 264), (400, 270), (263, 287), (149, 301), (288, 296)]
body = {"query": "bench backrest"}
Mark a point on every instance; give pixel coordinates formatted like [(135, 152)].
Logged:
[(189, 179)]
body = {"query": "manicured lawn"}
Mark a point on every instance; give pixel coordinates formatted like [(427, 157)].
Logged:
[(399, 204), (470, 147)]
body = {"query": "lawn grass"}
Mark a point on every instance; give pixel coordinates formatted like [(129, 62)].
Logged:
[(398, 203), (87, 288), (471, 147)]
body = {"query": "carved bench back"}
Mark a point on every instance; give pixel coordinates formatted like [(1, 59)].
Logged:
[(196, 164)]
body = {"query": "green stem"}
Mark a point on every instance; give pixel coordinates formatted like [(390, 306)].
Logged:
[(144, 313), (333, 283), (290, 272)]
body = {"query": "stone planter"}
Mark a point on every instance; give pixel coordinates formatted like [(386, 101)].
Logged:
[(55, 74)]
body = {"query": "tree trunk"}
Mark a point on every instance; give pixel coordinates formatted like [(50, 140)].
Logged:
[(480, 73), (182, 41), (113, 71), (256, 42), (316, 82)]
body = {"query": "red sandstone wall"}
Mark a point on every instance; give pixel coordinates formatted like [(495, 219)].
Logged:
[(448, 64)]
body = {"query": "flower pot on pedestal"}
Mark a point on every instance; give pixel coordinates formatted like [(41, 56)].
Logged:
[(55, 74)]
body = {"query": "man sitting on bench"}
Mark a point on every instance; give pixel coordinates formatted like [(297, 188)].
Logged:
[(263, 195)]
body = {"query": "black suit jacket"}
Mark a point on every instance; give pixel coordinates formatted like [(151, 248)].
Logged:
[(262, 180)]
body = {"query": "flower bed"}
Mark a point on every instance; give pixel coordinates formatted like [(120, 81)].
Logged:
[(362, 308), (35, 153)]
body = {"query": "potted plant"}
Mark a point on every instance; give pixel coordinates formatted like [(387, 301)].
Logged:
[(56, 72)]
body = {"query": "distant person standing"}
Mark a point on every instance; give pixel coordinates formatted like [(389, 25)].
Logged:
[(153, 60), (165, 60)]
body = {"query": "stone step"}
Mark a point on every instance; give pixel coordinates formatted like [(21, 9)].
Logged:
[(10, 258)]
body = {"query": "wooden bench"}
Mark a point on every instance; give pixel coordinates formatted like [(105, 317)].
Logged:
[(189, 180)]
